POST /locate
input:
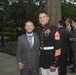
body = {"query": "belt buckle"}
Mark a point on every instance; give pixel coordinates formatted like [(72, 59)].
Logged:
[(42, 48)]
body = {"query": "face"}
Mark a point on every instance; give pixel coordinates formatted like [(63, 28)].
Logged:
[(43, 19), (73, 24), (19, 28), (67, 23), (58, 25), (29, 26)]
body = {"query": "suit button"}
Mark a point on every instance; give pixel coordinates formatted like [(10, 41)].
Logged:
[(41, 35)]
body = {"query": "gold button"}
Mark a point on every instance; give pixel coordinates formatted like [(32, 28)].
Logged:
[(41, 38), (42, 32), (41, 41), (43, 29), (55, 62), (42, 45), (55, 58)]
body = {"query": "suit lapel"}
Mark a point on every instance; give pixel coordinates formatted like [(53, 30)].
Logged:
[(26, 41), (34, 42), (28, 45)]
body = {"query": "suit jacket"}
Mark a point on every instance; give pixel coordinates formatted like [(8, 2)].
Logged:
[(73, 40), (27, 55), (65, 40)]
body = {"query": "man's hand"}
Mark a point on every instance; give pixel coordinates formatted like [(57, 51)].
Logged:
[(52, 68), (20, 66)]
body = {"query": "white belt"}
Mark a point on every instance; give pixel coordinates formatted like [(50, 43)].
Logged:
[(47, 48)]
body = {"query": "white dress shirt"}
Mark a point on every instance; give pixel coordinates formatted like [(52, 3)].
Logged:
[(32, 38), (68, 28)]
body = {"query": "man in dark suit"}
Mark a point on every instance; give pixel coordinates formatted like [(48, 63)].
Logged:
[(73, 44), (68, 25), (64, 47), (28, 51), (69, 28)]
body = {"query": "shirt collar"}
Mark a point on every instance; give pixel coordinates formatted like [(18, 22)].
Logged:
[(68, 25), (30, 34), (75, 27), (60, 26)]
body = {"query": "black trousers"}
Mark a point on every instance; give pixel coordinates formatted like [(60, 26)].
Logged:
[(70, 56), (63, 64), (73, 46)]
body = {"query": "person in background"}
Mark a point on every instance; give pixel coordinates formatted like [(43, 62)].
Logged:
[(28, 51), (64, 48), (19, 31), (69, 28), (73, 44), (50, 49), (68, 25)]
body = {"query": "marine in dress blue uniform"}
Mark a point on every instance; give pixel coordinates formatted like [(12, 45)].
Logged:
[(50, 49), (49, 46)]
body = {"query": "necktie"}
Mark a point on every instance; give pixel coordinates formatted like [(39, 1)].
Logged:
[(30, 40)]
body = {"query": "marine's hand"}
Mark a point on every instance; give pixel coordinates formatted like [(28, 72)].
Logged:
[(52, 68)]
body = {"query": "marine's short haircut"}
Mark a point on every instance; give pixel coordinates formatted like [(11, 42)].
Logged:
[(41, 12)]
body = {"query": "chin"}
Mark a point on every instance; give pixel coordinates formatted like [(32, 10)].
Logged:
[(30, 32), (42, 24)]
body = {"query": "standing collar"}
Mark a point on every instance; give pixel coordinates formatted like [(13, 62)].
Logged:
[(46, 26)]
